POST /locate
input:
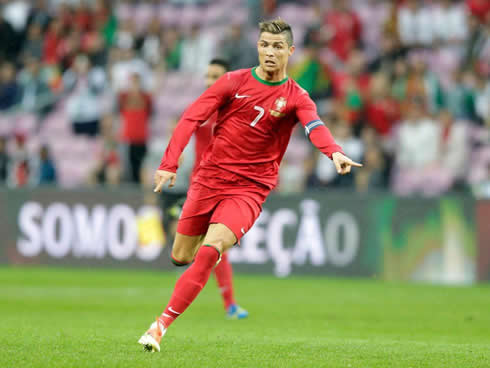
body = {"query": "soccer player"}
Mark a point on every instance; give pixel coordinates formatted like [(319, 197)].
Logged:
[(257, 110), (223, 272)]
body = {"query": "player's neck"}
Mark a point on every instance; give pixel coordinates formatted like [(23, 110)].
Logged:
[(276, 76)]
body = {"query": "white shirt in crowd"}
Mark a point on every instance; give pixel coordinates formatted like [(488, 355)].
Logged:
[(196, 54), (428, 24), (418, 143)]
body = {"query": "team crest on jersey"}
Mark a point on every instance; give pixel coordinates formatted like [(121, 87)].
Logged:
[(279, 107)]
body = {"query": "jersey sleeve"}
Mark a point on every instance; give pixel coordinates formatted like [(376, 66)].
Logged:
[(195, 115), (315, 129)]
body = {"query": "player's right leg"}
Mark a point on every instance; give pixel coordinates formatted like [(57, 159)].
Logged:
[(224, 277), (218, 239)]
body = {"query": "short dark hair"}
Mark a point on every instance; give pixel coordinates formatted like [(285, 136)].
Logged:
[(277, 26), (220, 62)]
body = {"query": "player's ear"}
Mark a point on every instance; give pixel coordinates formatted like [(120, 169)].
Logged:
[(291, 49)]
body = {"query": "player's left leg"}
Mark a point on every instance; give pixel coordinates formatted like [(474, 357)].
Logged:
[(224, 277)]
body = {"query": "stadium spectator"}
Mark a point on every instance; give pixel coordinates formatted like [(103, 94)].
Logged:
[(351, 86), (37, 96), (310, 71), (382, 110), (126, 63), (68, 49), (172, 48), (81, 17), (197, 51), (135, 107), (19, 169), (105, 21), (43, 168), (126, 34), (9, 88), (4, 160), (85, 86), (94, 45), (52, 40), (460, 95), (370, 177), (424, 83), (108, 165), (33, 45), (39, 14), (477, 37), (417, 153), (343, 28), (237, 49), (150, 42), (400, 79)]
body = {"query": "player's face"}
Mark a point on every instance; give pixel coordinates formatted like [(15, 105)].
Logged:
[(274, 51), (214, 72)]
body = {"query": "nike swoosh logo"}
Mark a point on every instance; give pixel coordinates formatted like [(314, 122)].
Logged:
[(172, 310), (238, 96)]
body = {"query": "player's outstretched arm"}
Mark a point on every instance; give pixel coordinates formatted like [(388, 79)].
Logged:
[(343, 164), (161, 177), (321, 136)]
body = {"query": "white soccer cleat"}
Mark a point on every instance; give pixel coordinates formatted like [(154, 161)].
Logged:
[(151, 339)]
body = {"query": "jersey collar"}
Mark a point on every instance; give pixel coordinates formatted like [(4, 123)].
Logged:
[(254, 73)]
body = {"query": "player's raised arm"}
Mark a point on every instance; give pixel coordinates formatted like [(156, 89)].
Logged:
[(320, 135), (195, 115)]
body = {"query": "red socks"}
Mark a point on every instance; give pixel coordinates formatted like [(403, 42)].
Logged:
[(190, 284), (224, 276)]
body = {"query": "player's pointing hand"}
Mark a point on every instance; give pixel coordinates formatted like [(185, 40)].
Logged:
[(161, 177), (343, 164)]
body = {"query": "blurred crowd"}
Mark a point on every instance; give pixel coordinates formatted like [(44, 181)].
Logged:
[(90, 90)]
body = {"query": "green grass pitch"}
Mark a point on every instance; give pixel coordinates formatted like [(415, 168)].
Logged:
[(93, 318)]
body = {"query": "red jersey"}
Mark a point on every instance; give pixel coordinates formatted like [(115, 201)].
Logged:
[(346, 32), (253, 127), (136, 112)]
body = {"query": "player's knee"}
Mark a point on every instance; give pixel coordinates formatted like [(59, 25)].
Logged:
[(221, 238), (221, 244), (181, 258)]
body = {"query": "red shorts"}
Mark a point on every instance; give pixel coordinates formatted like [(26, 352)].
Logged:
[(230, 206)]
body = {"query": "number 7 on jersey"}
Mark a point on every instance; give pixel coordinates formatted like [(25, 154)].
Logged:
[(259, 116)]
